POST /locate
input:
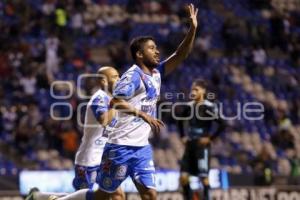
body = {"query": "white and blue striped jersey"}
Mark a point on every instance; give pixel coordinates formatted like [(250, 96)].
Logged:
[(93, 140), (141, 91)]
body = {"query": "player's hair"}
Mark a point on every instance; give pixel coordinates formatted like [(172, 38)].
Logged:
[(201, 83), (137, 44)]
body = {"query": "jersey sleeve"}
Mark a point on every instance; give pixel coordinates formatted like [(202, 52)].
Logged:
[(99, 105), (127, 85), (161, 68)]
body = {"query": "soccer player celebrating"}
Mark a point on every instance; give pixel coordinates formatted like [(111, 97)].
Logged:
[(97, 116), (195, 133), (127, 152), (88, 157)]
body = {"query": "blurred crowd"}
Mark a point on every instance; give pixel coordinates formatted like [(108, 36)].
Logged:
[(247, 50)]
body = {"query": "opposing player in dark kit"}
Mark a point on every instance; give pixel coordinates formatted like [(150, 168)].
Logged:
[(195, 133)]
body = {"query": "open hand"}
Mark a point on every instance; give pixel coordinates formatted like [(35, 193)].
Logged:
[(193, 12), (155, 124)]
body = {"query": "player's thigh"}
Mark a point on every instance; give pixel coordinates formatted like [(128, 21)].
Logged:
[(111, 175), (143, 173), (114, 167), (145, 192)]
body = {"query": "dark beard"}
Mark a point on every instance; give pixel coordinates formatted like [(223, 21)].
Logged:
[(150, 65)]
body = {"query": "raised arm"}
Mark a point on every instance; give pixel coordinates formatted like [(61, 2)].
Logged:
[(186, 45)]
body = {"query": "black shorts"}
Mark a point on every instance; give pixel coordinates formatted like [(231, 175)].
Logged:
[(196, 159)]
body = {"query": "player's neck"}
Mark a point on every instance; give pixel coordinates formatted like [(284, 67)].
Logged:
[(145, 69)]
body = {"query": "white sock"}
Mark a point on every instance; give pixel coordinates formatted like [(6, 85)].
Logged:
[(47, 195), (78, 195)]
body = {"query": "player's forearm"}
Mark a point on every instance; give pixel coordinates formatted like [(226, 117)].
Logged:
[(124, 107), (186, 45), (182, 51)]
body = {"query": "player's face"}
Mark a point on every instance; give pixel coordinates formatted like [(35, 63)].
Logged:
[(197, 93), (150, 54), (112, 78)]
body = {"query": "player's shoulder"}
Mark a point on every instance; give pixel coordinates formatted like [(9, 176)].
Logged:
[(211, 106), (99, 94), (134, 69), (208, 103), (205, 103), (133, 72)]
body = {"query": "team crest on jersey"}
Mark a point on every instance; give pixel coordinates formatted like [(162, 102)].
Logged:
[(107, 182), (121, 172)]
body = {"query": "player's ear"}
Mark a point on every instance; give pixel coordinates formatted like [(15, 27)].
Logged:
[(102, 82), (139, 54)]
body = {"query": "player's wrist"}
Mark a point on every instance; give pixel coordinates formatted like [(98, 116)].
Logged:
[(141, 114), (193, 27)]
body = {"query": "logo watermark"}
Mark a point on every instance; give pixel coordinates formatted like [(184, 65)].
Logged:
[(172, 102)]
